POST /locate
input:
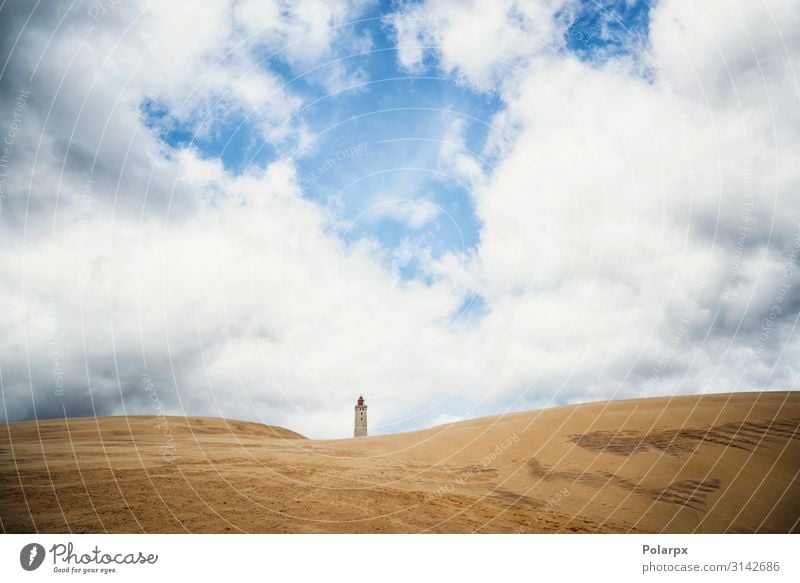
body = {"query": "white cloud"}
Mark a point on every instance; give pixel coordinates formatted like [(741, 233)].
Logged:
[(483, 42), (414, 213), (302, 31), (457, 160), (613, 214)]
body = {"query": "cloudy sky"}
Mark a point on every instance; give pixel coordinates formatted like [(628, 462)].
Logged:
[(261, 209)]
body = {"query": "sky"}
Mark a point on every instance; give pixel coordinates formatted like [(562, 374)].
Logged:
[(262, 209)]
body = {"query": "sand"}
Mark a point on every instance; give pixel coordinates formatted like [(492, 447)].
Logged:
[(712, 463)]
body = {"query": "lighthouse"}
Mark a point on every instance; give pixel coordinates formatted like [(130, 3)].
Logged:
[(360, 429)]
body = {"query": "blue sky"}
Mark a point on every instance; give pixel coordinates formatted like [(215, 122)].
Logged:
[(379, 137), (615, 235)]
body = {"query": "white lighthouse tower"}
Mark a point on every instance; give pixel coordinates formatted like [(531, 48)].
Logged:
[(360, 429)]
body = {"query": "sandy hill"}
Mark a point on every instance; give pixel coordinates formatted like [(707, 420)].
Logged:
[(713, 463)]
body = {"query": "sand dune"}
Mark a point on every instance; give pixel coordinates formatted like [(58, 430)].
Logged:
[(714, 463)]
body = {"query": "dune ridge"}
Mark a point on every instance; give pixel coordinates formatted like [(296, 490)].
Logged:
[(707, 463)]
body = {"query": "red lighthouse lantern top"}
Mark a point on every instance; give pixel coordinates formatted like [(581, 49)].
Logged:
[(360, 401)]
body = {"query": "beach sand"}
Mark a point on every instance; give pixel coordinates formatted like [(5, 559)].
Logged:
[(710, 463)]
